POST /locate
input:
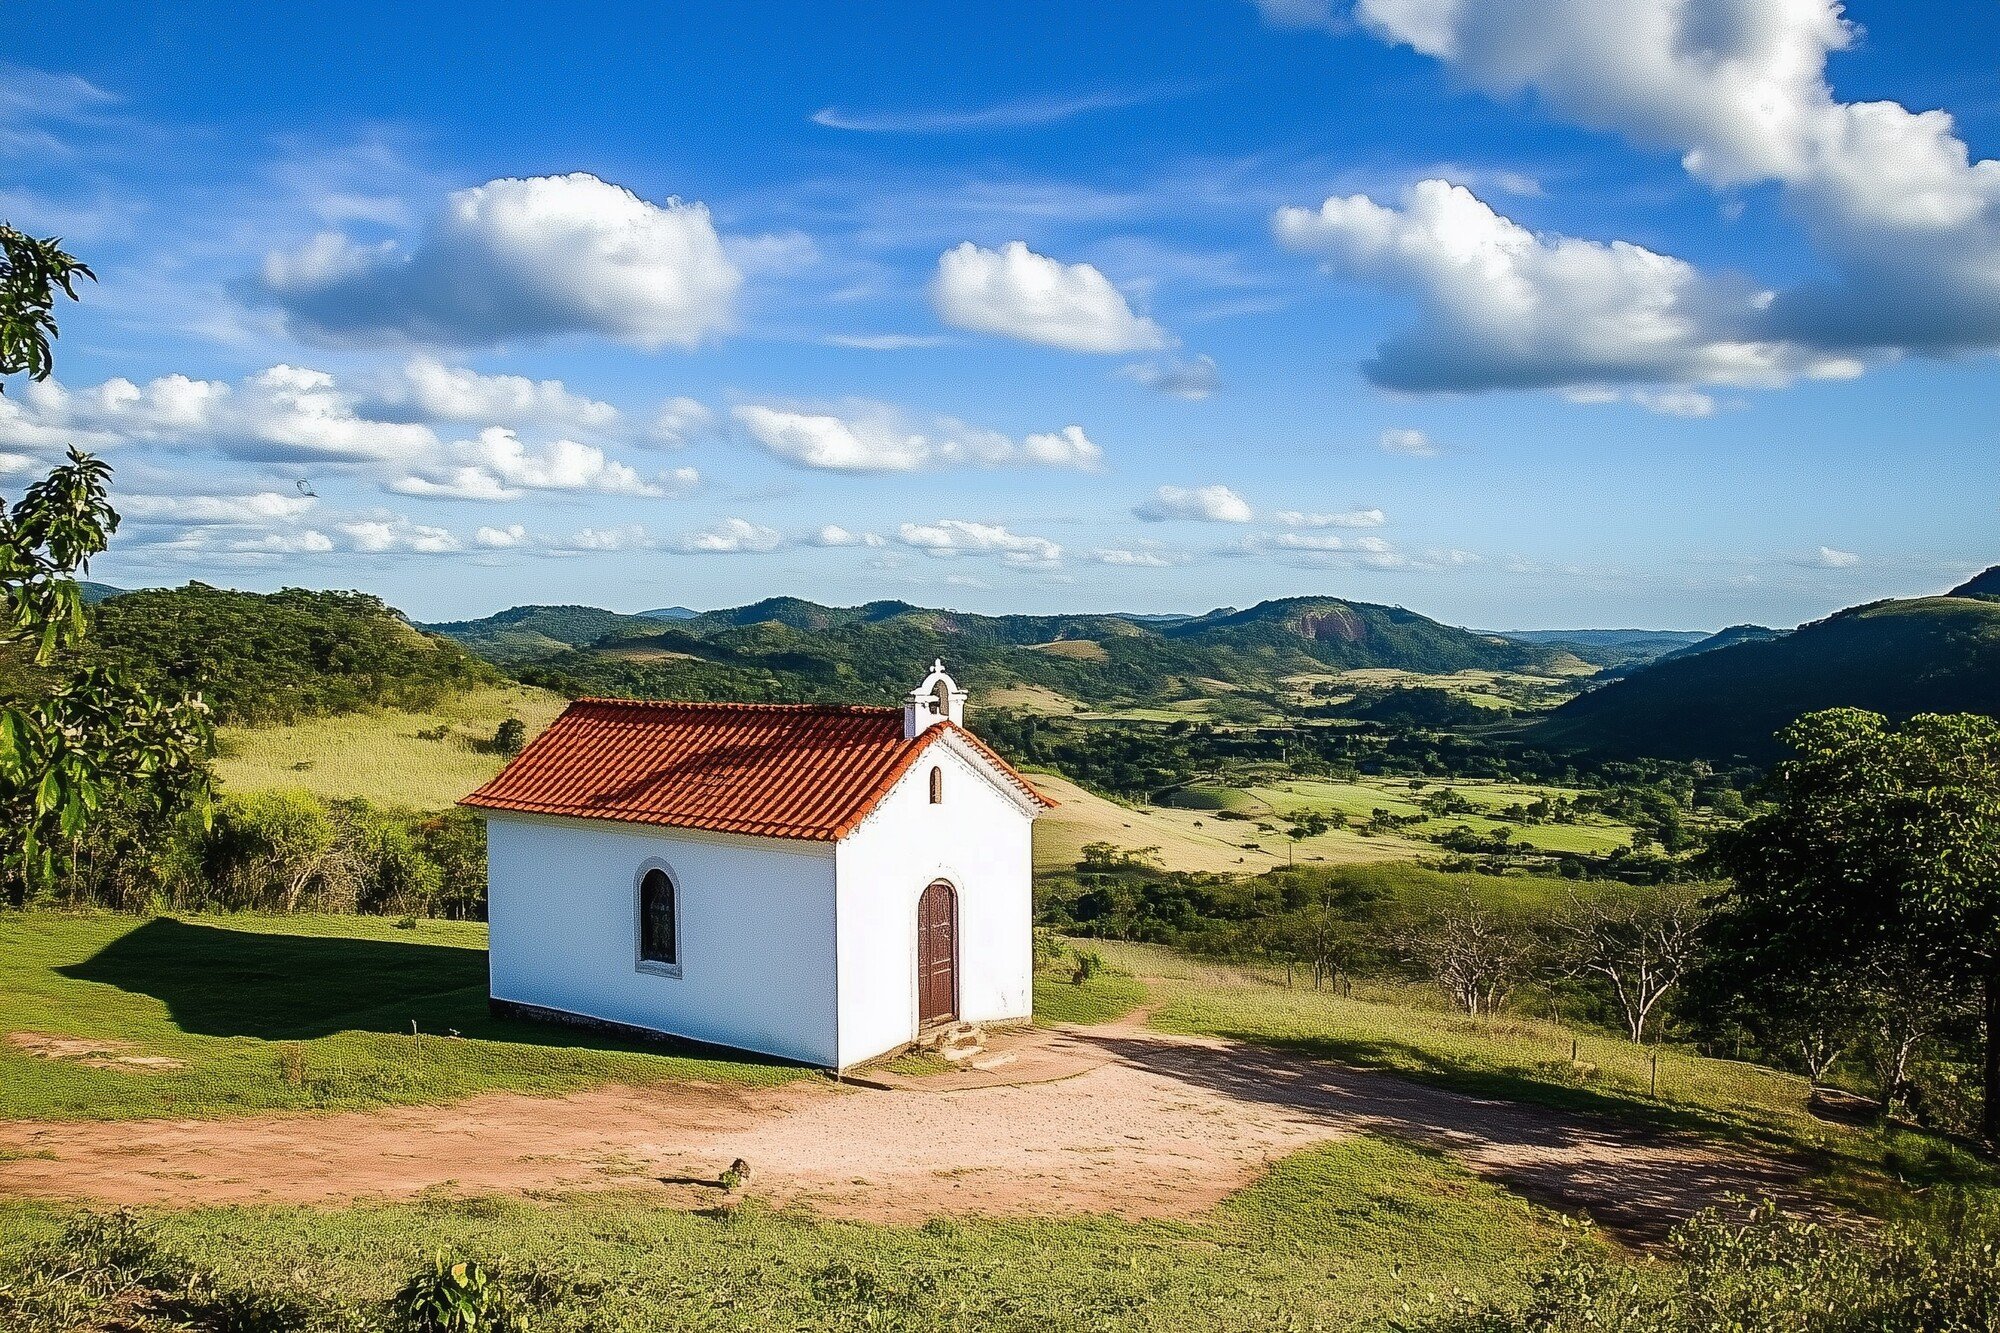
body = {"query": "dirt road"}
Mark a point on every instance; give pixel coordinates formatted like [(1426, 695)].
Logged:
[(1146, 1125)]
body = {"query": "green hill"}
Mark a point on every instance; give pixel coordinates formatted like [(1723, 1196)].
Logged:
[(1611, 647), (1986, 584), (1724, 638), (1349, 635), (1928, 654), (521, 633), (276, 657), (789, 648)]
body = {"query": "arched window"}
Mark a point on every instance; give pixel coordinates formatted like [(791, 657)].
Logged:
[(659, 922), (937, 786), (941, 699)]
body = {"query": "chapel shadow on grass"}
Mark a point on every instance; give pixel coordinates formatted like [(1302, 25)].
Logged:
[(220, 982)]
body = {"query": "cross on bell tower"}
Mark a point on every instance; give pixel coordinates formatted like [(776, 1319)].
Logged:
[(936, 699)]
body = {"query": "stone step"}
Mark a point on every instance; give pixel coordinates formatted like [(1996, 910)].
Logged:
[(959, 1054), (955, 1036), (995, 1061)]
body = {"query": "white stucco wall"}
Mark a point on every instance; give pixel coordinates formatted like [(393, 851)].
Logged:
[(979, 840), (757, 931)]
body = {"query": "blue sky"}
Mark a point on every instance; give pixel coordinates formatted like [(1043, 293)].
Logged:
[(1568, 312)]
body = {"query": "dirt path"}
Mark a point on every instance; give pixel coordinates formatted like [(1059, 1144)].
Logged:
[(1147, 1125)]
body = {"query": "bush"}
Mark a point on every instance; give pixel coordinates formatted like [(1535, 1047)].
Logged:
[(106, 1270), (510, 736), (292, 852), (457, 1296), (1929, 1273)]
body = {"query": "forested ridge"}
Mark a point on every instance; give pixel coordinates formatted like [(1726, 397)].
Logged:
[(276, 657)]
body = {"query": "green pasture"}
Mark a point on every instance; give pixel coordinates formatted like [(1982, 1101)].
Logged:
[(213, 1015)]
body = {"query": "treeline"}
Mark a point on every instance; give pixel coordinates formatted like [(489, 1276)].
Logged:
[(284, 851), (1135, 760), (1607, 953), (276, 657)]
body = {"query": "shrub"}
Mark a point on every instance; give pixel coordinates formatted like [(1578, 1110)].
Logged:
[(1089, 963), (292, 1064), (510, 736), (457, 1296), (1928, 1273), (107, 1271)]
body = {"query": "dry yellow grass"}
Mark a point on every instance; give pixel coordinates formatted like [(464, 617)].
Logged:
[(1081, 650), (645, 653), (380, 755), (1031, 699), (1186, 839)]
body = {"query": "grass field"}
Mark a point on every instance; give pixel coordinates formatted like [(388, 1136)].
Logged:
[(1335, 1237), (1409, 1029), (1487, 689), (1340, 1237), (381, 755), (1358, 799), (307, 1013), (1187, 839)]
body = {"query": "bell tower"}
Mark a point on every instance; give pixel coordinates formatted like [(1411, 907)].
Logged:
[(936, 699)]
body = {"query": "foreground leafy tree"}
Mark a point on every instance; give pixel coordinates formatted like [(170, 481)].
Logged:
[(32, 273), (1873, 882), (84, 752)]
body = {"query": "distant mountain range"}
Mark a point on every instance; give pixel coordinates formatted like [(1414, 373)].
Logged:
[(523, 633), (1915, 655), (789, 647), (1611, 647)]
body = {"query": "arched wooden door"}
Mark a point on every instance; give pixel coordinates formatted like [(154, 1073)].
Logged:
[(937, 954)]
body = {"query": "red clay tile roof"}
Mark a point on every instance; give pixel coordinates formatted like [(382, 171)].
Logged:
[(770, 770)]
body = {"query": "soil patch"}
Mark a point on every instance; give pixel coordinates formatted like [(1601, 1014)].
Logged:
[(99, 1054), (1137, 1124)]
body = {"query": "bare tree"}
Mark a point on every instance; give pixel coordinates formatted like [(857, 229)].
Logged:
[(1640, 942), (1475, 954)]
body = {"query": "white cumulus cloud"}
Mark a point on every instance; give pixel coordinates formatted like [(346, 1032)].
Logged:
[(426, 389), (1205, 504), (1499, 306), (500, 539), (215, 510), (498, 465), (1907, 220), (1347, 518), (381, 536), (832, 534), (1015, 293), (519, 258), (876, 437), (734, 536), (958, 537)]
